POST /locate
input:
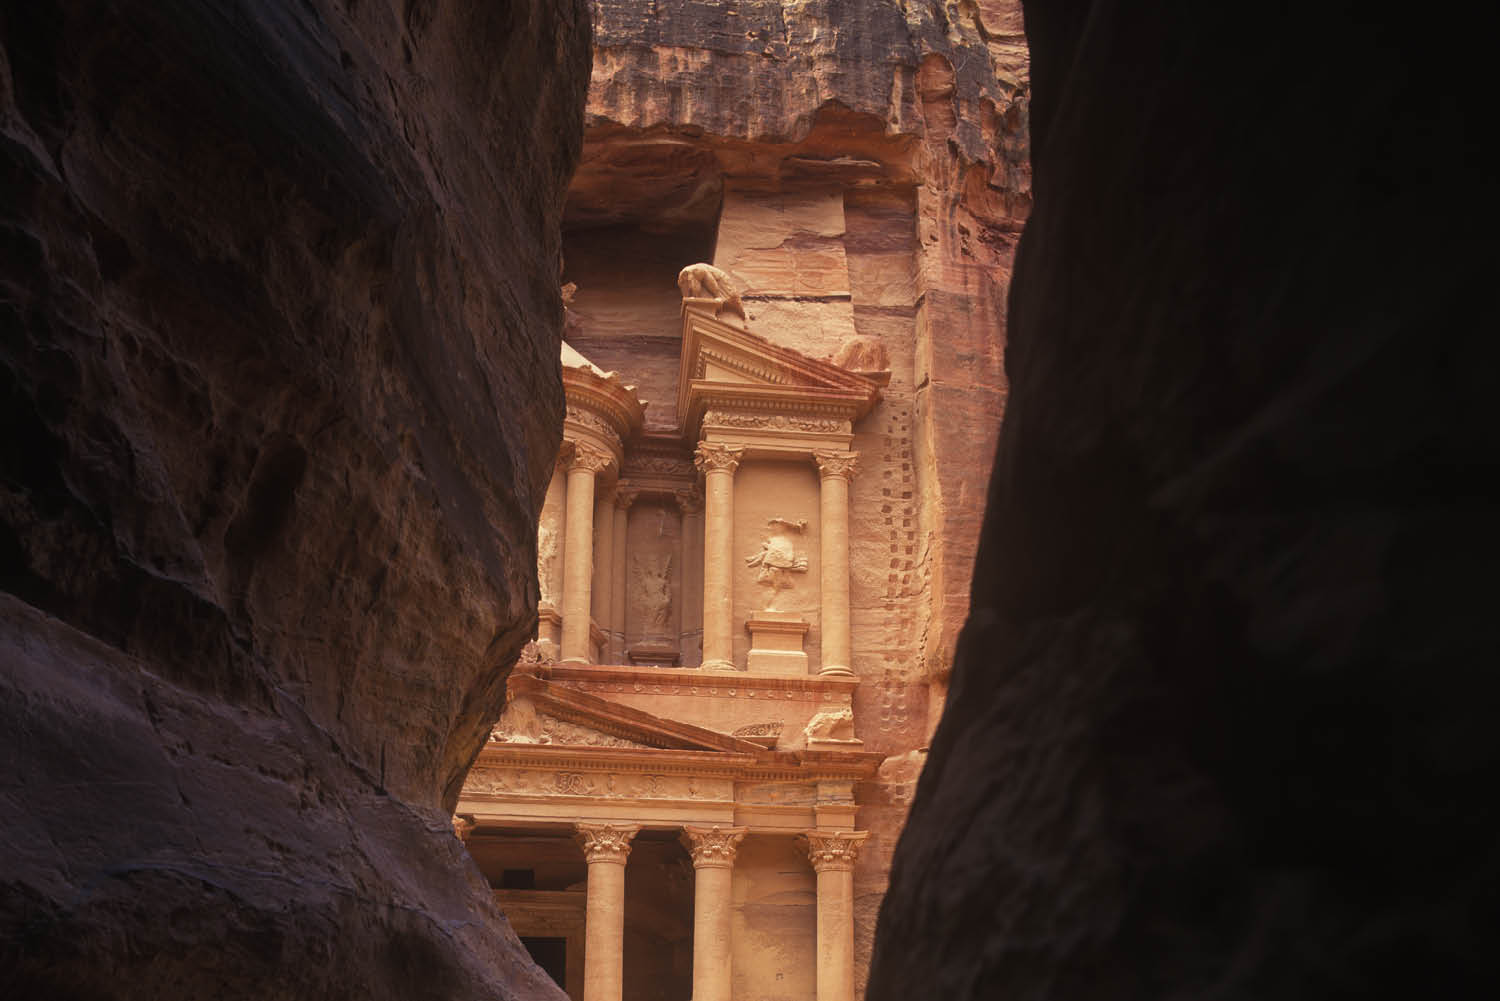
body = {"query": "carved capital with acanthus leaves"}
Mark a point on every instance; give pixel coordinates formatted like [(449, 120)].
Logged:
[(833, 849), (832, 463), (712, 457), (712, 846), (606, 842), (625, 496), (592, 459), (688, 501)]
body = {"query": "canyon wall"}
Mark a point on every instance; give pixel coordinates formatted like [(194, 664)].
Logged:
[(861, 171), (279, 323), (1216, 727)]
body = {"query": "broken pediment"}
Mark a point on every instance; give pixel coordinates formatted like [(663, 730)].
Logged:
[(539, 712), (726, 367)]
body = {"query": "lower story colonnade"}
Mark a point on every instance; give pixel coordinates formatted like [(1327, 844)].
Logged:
[(642, 856), (606, 849)]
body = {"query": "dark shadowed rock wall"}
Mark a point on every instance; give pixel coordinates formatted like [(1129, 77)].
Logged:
[(1220, 719), (279, 391)]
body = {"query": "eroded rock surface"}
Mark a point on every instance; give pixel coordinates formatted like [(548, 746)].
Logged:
[(1215, 728), (280, 318)]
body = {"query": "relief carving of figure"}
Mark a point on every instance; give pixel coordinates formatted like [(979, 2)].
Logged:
[(778, 558), (546, 559), (653, 592)]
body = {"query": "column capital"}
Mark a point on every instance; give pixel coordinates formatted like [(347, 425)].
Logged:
[(688, 501), (606, 842), (710, 457), (625, 496), (564, 456), (712, 846), (463, 826), (835, 463), (590, 458), (833, 849)]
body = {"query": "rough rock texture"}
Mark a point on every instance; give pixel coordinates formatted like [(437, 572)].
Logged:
[(1217, 726), (861, 170), (279, 330)]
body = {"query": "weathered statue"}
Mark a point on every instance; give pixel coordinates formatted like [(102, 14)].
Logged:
[(653, 591), (546, 559), (778, 558), (704, 281)]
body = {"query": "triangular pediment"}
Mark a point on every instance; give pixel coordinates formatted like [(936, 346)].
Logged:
[(723, 362), (538, 712)]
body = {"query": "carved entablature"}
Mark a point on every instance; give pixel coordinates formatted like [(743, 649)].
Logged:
[(606, 842), (833, 849), (761, 421), (500, 781)]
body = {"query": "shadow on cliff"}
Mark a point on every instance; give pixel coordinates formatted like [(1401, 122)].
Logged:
[(279, 327), (1218, 724)]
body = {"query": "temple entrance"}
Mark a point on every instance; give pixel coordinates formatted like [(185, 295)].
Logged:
[(658, 919)]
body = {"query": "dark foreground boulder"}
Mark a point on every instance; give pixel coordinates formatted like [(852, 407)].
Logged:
[(1220, 719), (278, 396)]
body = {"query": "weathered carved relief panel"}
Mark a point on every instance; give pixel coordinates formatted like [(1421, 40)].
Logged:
[(776, 542), (653, 575), (522, 724)]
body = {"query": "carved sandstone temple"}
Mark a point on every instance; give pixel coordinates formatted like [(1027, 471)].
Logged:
[(755, 546), (690, 703)]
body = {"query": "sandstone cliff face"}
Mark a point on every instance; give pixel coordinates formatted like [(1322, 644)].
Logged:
[(862, 169), (279, 375), (1214, 729)]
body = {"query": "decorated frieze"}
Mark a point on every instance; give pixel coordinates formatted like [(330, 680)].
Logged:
[(493, 780), (775, 422)]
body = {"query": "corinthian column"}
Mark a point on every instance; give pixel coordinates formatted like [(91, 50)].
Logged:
[(578, 552), (690, 632), (713, 851), (605, 847), (835, 469), (624, 497), (718, 463), (833, 854)]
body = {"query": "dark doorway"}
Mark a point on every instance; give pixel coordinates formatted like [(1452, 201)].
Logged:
[(551, 954)]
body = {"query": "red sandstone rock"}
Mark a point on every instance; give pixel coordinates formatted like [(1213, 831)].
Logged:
[(279, 373)]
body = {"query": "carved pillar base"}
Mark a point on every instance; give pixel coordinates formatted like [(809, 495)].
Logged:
[(776, 643)]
